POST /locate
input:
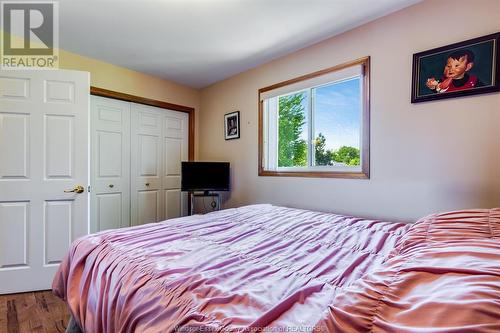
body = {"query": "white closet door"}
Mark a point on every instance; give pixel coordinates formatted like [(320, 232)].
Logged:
[(146, 164), (175, 150), (44, 142), (110, 164)]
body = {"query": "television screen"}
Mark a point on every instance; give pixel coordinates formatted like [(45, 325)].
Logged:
[(205, 176)]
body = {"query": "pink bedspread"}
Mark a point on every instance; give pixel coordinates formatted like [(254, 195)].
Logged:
[(272, 269)]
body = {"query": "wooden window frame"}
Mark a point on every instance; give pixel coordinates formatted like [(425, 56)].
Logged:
[(365, 131)]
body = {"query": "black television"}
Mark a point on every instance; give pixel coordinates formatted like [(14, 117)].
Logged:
[(205, 176)]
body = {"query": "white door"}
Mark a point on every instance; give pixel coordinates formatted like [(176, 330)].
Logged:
[(110, 164), (146, 164), (43, 153), (175, 150), (159, 142)]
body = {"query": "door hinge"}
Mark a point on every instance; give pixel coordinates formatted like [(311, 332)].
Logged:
[(88, 188)]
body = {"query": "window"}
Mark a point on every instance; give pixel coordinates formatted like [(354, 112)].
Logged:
[(317, 125)]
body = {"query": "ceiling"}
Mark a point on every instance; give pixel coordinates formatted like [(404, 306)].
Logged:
[(200, 42)]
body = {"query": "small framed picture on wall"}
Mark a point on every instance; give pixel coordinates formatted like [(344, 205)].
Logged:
[(232, 125), (466, 68)]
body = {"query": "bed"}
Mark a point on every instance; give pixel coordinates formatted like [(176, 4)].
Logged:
[(263, 268)]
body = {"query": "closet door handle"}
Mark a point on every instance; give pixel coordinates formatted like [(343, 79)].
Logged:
[(111, 185), (147, 184)]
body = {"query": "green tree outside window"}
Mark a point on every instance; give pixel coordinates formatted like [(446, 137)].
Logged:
[(292, 149)]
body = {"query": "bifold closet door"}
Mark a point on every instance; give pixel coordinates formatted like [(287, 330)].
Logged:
[(175, 150), (146, 151), (159, 143), (110, 164)]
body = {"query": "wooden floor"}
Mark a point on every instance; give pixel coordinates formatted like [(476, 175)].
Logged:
[(39, 311)]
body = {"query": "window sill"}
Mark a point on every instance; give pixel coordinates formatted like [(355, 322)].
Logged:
[(317, 174)]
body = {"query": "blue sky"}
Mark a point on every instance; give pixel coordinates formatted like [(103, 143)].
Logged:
[(337, 113)]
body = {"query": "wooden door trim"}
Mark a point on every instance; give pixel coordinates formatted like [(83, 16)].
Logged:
[(152, 102)]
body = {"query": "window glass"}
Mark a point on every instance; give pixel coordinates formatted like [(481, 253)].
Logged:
[(337, 123), (293, 130)]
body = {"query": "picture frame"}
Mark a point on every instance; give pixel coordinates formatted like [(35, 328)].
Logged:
[(447, 71), (232, 125)]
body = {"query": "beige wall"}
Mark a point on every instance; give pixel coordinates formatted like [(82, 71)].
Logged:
[(112, 77), (425, 157)]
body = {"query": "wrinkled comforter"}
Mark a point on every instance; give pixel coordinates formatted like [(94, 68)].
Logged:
[(263, 268)]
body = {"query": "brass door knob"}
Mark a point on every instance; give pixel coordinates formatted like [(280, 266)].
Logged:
[(76, 189)]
